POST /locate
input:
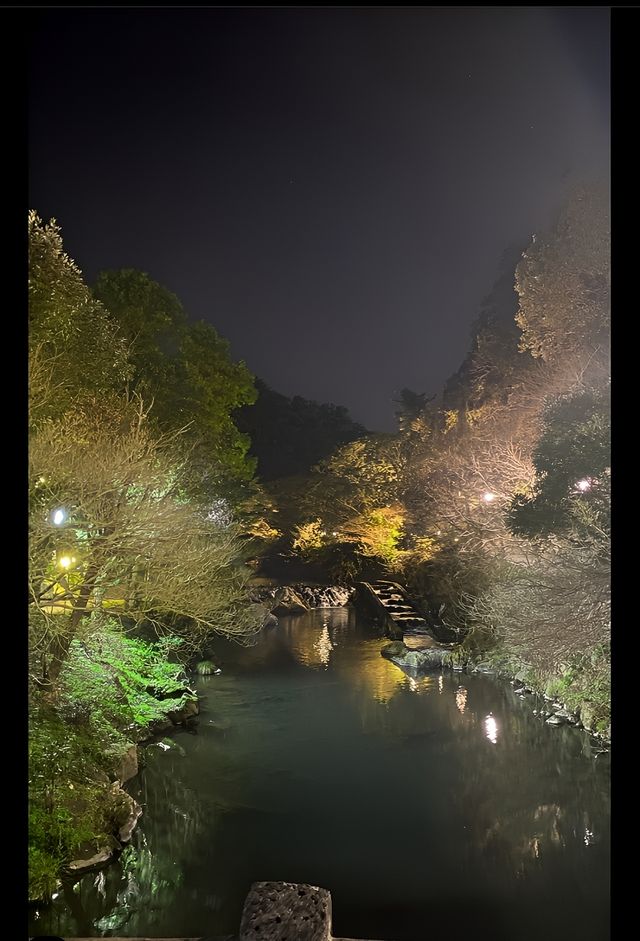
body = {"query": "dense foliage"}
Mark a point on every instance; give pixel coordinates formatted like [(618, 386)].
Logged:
[(184, 368), (290, 435), (492, 502), (133, 461)]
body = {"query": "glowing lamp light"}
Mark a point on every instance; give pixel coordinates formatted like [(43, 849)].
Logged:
[(58, 516), (66, 561), (491, 729), (583, 485), (488, 497)]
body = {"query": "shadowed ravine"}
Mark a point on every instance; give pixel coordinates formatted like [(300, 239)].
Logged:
[(439, 804)]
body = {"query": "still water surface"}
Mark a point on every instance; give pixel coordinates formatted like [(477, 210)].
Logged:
[(437, 804)]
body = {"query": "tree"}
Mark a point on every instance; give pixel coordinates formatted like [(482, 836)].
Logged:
[(571, 492), (128, 540), (186, 369), (563, 282), (290, 435), (74, 345), (411, 411)]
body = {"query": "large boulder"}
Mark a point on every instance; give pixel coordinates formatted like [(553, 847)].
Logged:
[(394, 650), (288, 601), (417, 661)]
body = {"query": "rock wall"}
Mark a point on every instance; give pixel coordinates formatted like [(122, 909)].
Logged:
[(296, 599)]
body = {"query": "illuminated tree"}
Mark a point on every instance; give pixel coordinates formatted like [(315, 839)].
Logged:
[(563, 282), (132, 542), (74, 346)]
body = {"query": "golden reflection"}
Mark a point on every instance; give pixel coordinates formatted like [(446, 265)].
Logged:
[(461, 698), (364, 669), (491, 728)]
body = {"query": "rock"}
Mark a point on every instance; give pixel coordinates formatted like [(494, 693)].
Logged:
[(219, 725), (394, 649), (81, 865), (270, 621), (188, 711), (429, 658), (566, 715), (433, 658), (555, 719), (275, 911), (289, 602), (128, 765), (135, 812)]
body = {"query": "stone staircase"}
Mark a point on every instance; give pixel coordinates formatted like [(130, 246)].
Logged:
[(401, 618)]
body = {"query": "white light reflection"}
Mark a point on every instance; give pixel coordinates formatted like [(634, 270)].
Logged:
[(491, 729), (323, 645), (461, 698), (588, 836), (583, 485), (413, 684), (440, 683)]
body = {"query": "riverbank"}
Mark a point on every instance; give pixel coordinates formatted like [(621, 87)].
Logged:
[(316, 760), (575, 696), (114, 694)]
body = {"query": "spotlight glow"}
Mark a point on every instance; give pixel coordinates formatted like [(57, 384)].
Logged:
[(58, 516), (491, 729)]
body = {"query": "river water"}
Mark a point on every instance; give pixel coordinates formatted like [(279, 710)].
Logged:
[(428, 805)]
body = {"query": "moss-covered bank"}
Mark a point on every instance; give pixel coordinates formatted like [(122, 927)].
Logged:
[(582, 684), (114, 692)]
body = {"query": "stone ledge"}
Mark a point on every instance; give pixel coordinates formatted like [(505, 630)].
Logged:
[(286, 911)]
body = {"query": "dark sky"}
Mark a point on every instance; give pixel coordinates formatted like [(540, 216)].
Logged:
[(332, 189)]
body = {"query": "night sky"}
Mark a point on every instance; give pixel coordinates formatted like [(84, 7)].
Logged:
[(332, 189)]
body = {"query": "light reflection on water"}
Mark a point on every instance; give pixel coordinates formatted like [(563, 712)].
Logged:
[(491, 729), (317, 760)]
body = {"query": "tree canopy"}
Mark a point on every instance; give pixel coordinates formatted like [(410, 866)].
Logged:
[(186, 370)]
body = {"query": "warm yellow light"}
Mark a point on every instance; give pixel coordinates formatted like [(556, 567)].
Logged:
[(65, 561)]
